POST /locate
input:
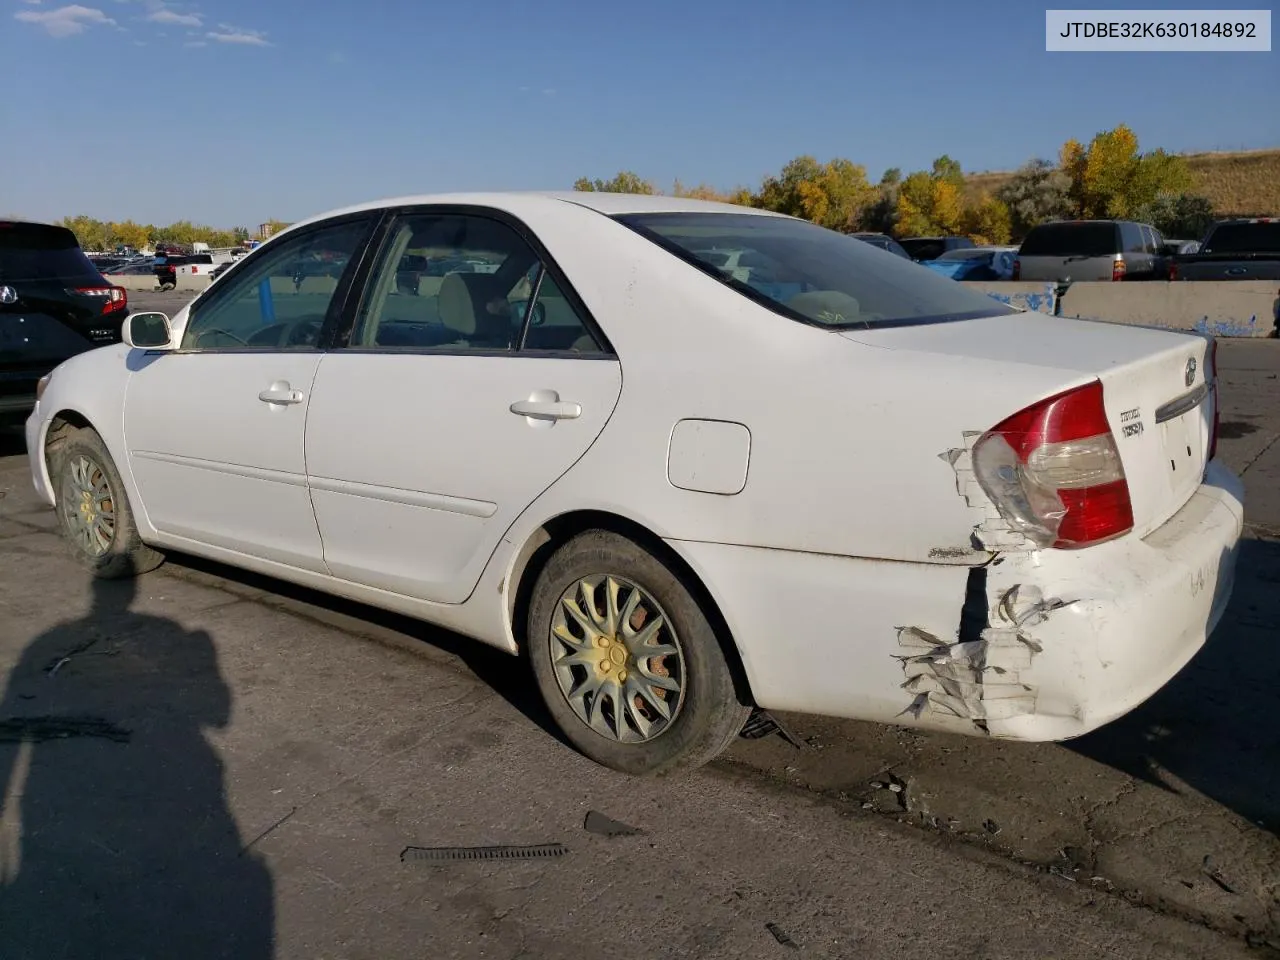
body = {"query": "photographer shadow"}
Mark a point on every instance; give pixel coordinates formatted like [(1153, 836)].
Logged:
[(116, 839)]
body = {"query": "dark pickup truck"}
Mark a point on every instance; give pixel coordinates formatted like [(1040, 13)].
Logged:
[(1233, 250)]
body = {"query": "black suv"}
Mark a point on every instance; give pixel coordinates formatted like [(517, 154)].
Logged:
[(54, 304)]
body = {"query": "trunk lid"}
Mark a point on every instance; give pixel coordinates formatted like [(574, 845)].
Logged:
[(1158, 401)]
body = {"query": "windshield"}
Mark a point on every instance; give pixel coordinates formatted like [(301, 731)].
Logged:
[(1071, 240), (1244, 238), (810, 273), (30, 251)]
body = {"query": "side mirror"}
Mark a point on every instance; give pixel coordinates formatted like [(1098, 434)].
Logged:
[(147, 331)]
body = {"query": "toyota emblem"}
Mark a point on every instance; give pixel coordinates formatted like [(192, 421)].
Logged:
[(8, 295), (1191, 371)]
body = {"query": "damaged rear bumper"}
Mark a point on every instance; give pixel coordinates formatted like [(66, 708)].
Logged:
[(1051, 645), (1107, 627)]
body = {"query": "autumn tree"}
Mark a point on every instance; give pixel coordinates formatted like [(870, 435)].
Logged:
[(987, 221), (831, 194), (1039, 191), (1111, 178), (929, 205), (624, 182)]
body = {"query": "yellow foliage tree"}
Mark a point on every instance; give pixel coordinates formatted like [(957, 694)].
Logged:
[(831, 194), (1112, 179), (987, 222), (929, 205)]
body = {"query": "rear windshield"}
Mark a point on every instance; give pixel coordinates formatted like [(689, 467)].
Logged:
[(1244, 238), (38, 252), (810, 273), (1071, 240)]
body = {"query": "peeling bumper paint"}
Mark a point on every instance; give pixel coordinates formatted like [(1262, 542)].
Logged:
[(1086, 635), (1051, 644)]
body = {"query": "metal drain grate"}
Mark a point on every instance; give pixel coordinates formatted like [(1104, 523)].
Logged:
[(540, 851)]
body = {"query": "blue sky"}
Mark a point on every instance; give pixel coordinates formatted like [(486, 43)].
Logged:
[(231, 112)]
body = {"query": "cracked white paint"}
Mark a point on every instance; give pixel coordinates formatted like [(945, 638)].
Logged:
[(978, 680)]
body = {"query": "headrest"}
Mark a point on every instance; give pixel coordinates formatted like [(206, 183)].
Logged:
[(463, 307)]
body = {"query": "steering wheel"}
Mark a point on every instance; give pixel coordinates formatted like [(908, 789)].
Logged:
[(226, 333), (288, 333)]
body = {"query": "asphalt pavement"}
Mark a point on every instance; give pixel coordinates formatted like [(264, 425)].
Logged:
[(208, 763)]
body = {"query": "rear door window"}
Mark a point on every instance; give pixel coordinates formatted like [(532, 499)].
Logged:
[(1071, 239)]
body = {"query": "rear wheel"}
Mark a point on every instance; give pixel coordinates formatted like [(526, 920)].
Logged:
[(93, 511), (627, 662)]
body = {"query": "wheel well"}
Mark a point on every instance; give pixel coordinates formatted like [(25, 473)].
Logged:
[(548, 538), (63, 423)]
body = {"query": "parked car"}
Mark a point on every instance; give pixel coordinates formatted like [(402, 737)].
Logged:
[(166, 268), (54, 304), (1092, 250), (884, 242), (931, 248), (681, 490), (1245, 249), (976, 263)]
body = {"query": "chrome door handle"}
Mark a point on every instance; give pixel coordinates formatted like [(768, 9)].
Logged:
[(280, 392), (547, 409)]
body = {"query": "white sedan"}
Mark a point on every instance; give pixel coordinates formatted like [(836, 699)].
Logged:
[(823, 480)]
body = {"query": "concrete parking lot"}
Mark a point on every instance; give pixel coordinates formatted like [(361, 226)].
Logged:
[(206, 763)]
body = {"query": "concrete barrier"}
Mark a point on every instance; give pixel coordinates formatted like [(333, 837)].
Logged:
[(1036, 297), (186, 281), (1245, 308), (132, 282)]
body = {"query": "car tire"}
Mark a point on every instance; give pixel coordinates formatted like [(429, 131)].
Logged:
[(708, 713), (85, 481)]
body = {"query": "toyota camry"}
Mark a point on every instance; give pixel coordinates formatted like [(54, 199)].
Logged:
[(686, 459)]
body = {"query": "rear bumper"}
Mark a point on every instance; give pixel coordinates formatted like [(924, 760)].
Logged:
[(1074, 639), (1136, 613)]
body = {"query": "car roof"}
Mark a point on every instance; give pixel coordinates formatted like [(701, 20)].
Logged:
[(514, 201)]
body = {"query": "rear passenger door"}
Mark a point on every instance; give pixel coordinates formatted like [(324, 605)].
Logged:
[(446, 410)]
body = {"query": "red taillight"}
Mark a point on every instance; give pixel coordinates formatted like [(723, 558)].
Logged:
[(1054, 472), (1212, 373), (1118, 268), (113, 298), (1017, 269), (1173, 270)]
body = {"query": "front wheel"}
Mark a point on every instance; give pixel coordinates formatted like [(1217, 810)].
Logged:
[(627, 662), (93, 511)]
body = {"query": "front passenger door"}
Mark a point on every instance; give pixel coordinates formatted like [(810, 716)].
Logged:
[(214, 429)]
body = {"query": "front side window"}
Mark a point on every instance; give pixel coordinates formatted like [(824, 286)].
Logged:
[(280, 299), (813, 274), (478, 285)]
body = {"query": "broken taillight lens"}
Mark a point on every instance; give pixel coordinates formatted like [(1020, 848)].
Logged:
[(1054, 472)]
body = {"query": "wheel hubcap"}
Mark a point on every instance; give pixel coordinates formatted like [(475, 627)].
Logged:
[(617, 659), (88, 506)]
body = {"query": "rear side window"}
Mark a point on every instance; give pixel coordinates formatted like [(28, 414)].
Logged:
[(812, 274), (1079, 239), (1244, 238), (31, 251)]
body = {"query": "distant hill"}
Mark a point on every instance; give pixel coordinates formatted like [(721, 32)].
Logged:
[(1238, 184)]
